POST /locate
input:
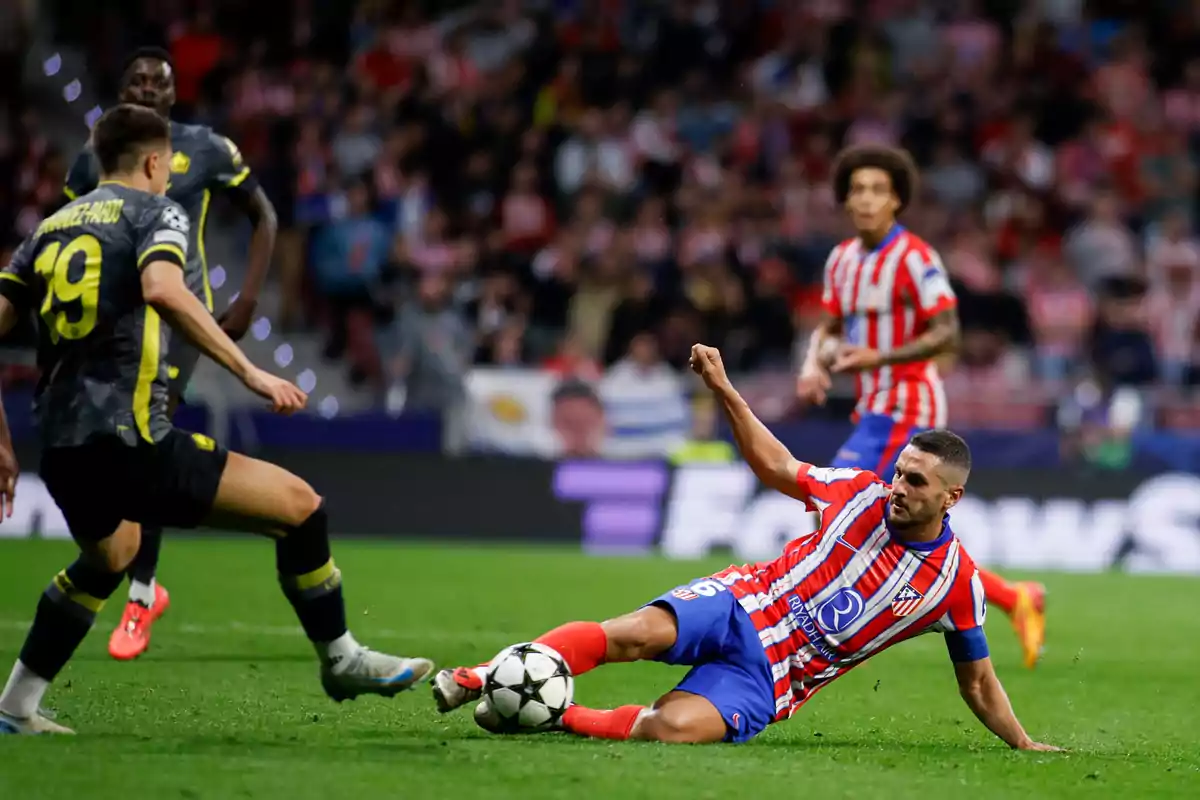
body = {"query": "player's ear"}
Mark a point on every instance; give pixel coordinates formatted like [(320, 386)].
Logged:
[(953, 495)]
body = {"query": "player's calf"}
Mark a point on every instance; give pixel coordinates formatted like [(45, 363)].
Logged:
[(65, 614), (256, 495)]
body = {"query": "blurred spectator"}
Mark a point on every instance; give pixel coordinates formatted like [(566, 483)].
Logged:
[(643, 402), (1102, 246), (348, 260), (428, 350)]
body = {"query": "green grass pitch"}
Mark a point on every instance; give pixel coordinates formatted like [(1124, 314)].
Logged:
[(226, 703)]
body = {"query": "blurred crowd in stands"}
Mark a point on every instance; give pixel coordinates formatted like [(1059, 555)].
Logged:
[(570, 183)]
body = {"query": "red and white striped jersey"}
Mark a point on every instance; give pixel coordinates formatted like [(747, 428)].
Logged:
[(885, 298), (852, 589)]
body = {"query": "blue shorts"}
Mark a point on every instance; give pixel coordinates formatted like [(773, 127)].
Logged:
[(729, 667), (875, 445)]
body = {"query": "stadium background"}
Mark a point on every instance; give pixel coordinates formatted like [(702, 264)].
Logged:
[(501, 227)]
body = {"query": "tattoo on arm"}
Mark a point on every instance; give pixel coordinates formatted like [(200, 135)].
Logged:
[(941, 336)]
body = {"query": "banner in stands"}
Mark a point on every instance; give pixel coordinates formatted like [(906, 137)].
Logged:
[(1025, 520), (629, 413)]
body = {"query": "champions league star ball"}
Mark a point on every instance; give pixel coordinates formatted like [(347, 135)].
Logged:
[(528, 687)]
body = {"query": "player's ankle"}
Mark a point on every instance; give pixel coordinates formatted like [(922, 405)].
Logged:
[(338, 650)]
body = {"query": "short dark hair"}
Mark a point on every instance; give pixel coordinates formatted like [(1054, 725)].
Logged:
[(152, 53), (574, 389), (124, 133), (949, 447), (897, 163)]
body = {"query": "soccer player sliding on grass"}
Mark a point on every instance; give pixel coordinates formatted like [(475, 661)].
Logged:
[(762, 639)]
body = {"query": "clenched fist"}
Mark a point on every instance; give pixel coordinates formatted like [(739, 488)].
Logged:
[(706, 362)]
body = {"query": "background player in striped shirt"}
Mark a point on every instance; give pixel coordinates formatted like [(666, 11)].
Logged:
[(763, 638), (889, 315)]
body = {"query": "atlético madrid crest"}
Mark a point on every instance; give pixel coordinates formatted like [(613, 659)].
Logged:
[(906, 600)]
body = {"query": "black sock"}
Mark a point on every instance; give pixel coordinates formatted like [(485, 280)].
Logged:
[(65, 614), (311, 582), (145, 563)]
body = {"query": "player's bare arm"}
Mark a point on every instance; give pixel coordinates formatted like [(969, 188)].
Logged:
[(770, 461), (264, 224), (814, 382), (9, 469), (941, 337), (981, 689), (163, 287)]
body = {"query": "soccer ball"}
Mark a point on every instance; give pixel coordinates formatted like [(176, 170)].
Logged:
[(528, 687)]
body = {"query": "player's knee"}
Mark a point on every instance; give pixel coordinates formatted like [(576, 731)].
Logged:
[(665, 725), (644, 634), (117, 552), (300, 503)]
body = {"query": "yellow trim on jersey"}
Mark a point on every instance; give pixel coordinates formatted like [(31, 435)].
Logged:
[(8, 276), (208, 298), (69, 193), (240, 178), (174, 250), (118, 183), (147, 372)]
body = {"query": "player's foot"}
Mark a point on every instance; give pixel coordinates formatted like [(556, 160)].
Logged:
[(132, 636), (454, 688), (29, 726), (1029, 620), (369, 672)]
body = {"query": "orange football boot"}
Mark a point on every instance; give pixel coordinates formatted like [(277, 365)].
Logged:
[(1029, 620), (132, 636)]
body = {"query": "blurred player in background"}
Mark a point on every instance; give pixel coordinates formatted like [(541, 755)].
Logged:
[(203, 164), (888, 299), (100, 272), (762, 639)]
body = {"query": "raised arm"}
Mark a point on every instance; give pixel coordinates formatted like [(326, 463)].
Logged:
[(766, 456)]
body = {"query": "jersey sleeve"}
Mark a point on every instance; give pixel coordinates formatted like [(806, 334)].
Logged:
[(930, 284), (162, 235), (83, 175), (826, 486), (830, 301), (16, 277), (229, 172), (963, 622)]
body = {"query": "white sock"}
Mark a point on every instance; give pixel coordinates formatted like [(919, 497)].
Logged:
[(23, 692), (142, 592), (339, 649)]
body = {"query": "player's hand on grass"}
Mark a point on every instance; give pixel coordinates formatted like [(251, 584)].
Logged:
[(286, 398), (1038, 747), (813, 385), (852, 358), (8, 481), (237, 318), (706, 362)]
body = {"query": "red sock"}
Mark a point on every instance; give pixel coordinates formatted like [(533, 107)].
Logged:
[(999, 592), (601, 724), (582, 645)]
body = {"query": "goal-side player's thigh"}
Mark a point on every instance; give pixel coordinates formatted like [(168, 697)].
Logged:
[(729, 667), (93, 485)]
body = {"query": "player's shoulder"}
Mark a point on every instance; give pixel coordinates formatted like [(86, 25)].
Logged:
[(917, 249), (156, 211)]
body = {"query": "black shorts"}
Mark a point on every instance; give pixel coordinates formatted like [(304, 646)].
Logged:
[(172, 483)]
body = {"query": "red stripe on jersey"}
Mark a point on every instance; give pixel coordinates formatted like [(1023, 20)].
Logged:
[(885, 298), (829, 601)]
